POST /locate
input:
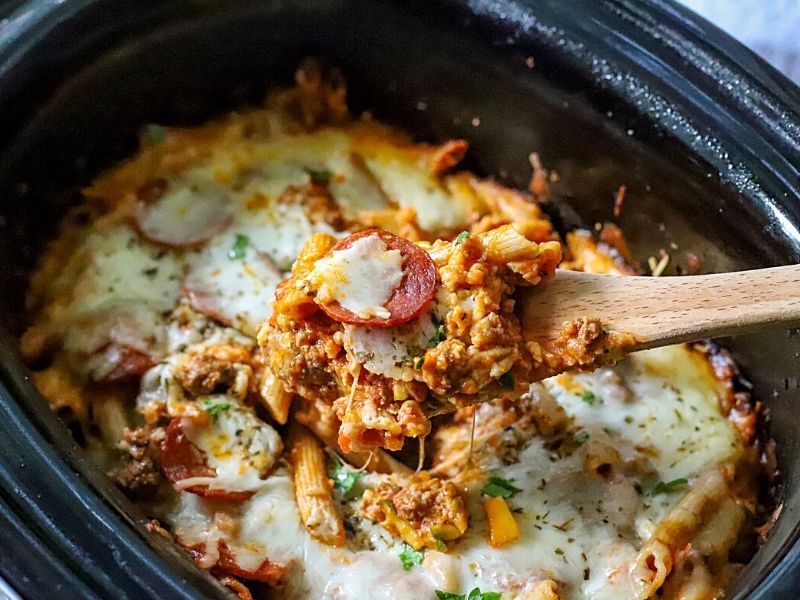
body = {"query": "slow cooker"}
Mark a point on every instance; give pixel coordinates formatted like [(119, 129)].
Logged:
[(705, 135)]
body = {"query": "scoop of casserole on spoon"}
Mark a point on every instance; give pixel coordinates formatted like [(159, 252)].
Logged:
[(580, 319)]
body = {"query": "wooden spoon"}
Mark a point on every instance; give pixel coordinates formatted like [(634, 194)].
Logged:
[(659, 311)]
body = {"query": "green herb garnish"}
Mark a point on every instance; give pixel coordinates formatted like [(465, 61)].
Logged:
[(461, 237), (507, 380), (319, 175), (589, 397), (418, 362), (215, 409), (497, 486), (344, 479), (670, 486), (475, 594), (239, 247), (411, 558), (581, 437), (155, 134), (439, 336)]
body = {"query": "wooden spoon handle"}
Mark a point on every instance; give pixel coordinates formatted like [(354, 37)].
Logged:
[(660, 311)]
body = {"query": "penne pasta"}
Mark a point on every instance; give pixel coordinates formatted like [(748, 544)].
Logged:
[(657, 556), (277, 400), (313, 488), (600, 459), (548, 415), (319, 419), (506, 244)]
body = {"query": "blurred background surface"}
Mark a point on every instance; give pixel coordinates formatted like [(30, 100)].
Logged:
[(769, 27)]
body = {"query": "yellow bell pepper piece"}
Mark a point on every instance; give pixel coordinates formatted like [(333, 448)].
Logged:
[(395, 523), (503, 528)]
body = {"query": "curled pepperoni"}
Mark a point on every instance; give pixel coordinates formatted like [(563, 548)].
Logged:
[(409, 298), (181, 459), (267, 571)]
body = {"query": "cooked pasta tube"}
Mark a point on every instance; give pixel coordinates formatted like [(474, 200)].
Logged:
[(600, 459), (719, 534), (277, 400), (657, 556), (319, 418), (312, 488)]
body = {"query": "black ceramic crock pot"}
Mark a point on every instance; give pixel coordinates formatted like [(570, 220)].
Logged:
[(705, 136)]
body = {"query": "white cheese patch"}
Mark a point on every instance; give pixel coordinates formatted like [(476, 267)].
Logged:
[(675, 410), (120, 267), (121, 295), (236, 289), (671, 421), (361, 277), (410, 186), (354, 186), (184, 216), (237, 444), (280, 230), (390, 351)]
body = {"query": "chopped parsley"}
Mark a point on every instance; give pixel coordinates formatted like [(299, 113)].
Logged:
[(239, 247), (589, 397), (581, 437), (507, 380), (461, 237), (439, 336), (670, 486), (319, 175), (155, 134), (344, 479), (411, 558), (418, 362), (497, 486), (215, 409), (475, 594)]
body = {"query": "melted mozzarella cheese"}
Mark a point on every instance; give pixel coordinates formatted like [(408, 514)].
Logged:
[(237, 444), (361, 277), (184, 217), (235, 291), (390, 351), (109, 304), (579, 529), (413, 187)]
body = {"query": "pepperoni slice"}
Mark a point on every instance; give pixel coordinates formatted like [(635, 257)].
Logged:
[(267, 571), (409, 298), (181, 459), (180, 218), (129, 364)]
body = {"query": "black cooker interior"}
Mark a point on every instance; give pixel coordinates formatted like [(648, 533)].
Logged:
[(73, 105)]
